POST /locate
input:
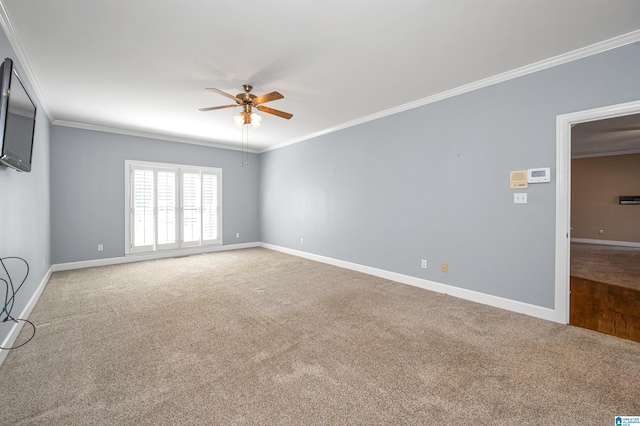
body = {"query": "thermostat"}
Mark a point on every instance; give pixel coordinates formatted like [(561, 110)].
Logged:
[(539, 175)]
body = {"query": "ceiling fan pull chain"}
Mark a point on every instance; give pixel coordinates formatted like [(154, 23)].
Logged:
[(247, 162), (242, 146)]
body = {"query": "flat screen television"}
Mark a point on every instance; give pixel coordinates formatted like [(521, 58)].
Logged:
[(17, 120)]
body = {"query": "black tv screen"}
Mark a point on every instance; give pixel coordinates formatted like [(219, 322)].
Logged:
[(17, 120)]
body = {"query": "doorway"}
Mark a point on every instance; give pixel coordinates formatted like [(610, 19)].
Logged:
[(564, 126)]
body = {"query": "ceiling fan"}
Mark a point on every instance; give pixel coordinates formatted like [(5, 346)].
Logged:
[(248, 100)]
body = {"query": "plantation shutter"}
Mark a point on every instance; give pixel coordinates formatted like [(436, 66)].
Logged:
[(210, 221), (167, 209), (191, 200), (171, 207), (142, 211)]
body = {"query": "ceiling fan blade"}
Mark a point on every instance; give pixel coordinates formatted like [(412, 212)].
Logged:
[(218, 107), (220, 92), (273, 96), (275, 112)]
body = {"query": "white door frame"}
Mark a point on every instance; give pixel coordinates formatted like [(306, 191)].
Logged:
[(563, 193)]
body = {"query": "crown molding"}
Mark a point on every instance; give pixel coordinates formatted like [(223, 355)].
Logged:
[(606, 154), (584, 52), (150, 135), (564, 58), (22, 58)]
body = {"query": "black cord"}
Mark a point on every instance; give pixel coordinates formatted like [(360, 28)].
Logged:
[(6, 296), (6, 309), (28, 340), (13, 291)]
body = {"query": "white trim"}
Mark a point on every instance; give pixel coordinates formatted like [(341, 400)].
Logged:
[(24, 63), (474, 296), (152, 135), (10, 339), (580, 53), (149, 256), (607, 154), (563, 193), (564, 58), (605, 242)]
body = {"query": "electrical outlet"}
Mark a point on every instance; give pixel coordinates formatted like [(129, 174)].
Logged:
[(100, 247), (602, 232), (424, 264), (237, 235), (301, 241), (444, 267)]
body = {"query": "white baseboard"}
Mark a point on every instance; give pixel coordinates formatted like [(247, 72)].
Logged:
[(474, 296), (137, 257), (605, 242), (17, 326)]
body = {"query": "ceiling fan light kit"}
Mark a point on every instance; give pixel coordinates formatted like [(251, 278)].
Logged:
[(247, 117)]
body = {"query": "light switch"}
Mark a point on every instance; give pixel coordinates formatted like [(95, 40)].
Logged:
[(520, 198)]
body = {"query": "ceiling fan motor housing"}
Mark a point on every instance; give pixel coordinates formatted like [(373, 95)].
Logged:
[(246, 98)]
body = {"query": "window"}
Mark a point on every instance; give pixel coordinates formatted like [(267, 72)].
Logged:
[(170, 206)]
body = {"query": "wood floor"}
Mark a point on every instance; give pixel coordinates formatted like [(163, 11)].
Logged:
[(605, 289)]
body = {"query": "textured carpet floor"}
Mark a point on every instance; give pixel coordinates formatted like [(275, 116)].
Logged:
[(615, 265), (259, 337)]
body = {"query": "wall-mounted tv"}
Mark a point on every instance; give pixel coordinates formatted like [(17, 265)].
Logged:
[(17, 120)]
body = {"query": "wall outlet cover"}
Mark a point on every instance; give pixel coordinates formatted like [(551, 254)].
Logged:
[(520, 198)]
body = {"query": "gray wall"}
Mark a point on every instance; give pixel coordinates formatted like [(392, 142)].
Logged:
[(433, 182), (24, 208), (87, 197)]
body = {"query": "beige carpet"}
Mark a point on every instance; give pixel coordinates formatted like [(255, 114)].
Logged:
[(259, 337), (617, 265)]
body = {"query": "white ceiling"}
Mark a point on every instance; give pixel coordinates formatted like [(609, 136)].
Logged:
[(141, 67)]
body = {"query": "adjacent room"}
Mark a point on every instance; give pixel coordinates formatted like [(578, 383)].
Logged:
[(605, 226), (337, 213)]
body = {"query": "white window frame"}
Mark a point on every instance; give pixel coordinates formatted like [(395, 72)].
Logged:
[(179, 169)]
